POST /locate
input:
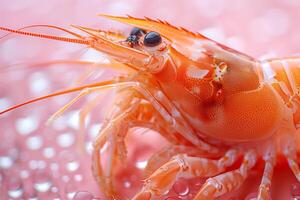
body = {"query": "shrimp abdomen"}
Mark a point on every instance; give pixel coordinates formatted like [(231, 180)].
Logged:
[(284, 76)]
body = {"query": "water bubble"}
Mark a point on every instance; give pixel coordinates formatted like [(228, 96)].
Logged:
[(42, 182), (6, 162), (65, 140), (15, 188), (83, 195), (181, 187)]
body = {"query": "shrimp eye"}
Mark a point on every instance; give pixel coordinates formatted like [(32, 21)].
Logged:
[(134, 35), (137, 32), (152, 39)]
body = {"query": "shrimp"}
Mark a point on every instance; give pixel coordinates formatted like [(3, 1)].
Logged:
[(203, 97)]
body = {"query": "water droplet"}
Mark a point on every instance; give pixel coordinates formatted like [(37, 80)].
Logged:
[(78, 177), (83, 195), (5, 103), (54, 189), (15, 188), (94, 130), (42, 182), (181, 187), (71, 191), (141, 164), (73, 166), (73, 119), (65, 140), (89, 147), (33, 164), (26, 125), (39, 83), (65, 178), (41, 164), (24, 174), (48, 152), (295, 190), (54, 166), (127, 184), (6, 162), (34, 143), (164, 168)]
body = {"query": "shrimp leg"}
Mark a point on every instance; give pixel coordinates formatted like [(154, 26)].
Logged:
[(265, 185), (182, 165), (224, 183), (114, 130), (161, 157), (291, 156)]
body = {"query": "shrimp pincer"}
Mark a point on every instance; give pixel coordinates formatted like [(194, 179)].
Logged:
[(201, 96)]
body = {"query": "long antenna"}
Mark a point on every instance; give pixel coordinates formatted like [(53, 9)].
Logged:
[(65, 39)]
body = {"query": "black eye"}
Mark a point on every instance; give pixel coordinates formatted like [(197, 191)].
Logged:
[(137, 32), (152, 39), (134, 35)]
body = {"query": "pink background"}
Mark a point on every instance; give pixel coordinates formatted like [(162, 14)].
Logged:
[(261, 28)]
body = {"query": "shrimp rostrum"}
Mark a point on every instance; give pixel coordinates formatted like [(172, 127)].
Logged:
[(202, 97)]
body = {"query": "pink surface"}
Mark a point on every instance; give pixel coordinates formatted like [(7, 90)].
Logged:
[(42, 161)]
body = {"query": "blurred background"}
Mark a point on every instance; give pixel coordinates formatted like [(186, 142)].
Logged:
[(42, 162)]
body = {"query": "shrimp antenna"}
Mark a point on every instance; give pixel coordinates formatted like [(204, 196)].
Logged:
[(57, 94), (65, 39), (47, 26)]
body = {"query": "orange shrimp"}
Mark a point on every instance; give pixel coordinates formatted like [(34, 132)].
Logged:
[(202, 97)]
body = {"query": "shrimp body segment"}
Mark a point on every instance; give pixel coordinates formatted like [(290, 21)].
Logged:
[(202, 97)]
